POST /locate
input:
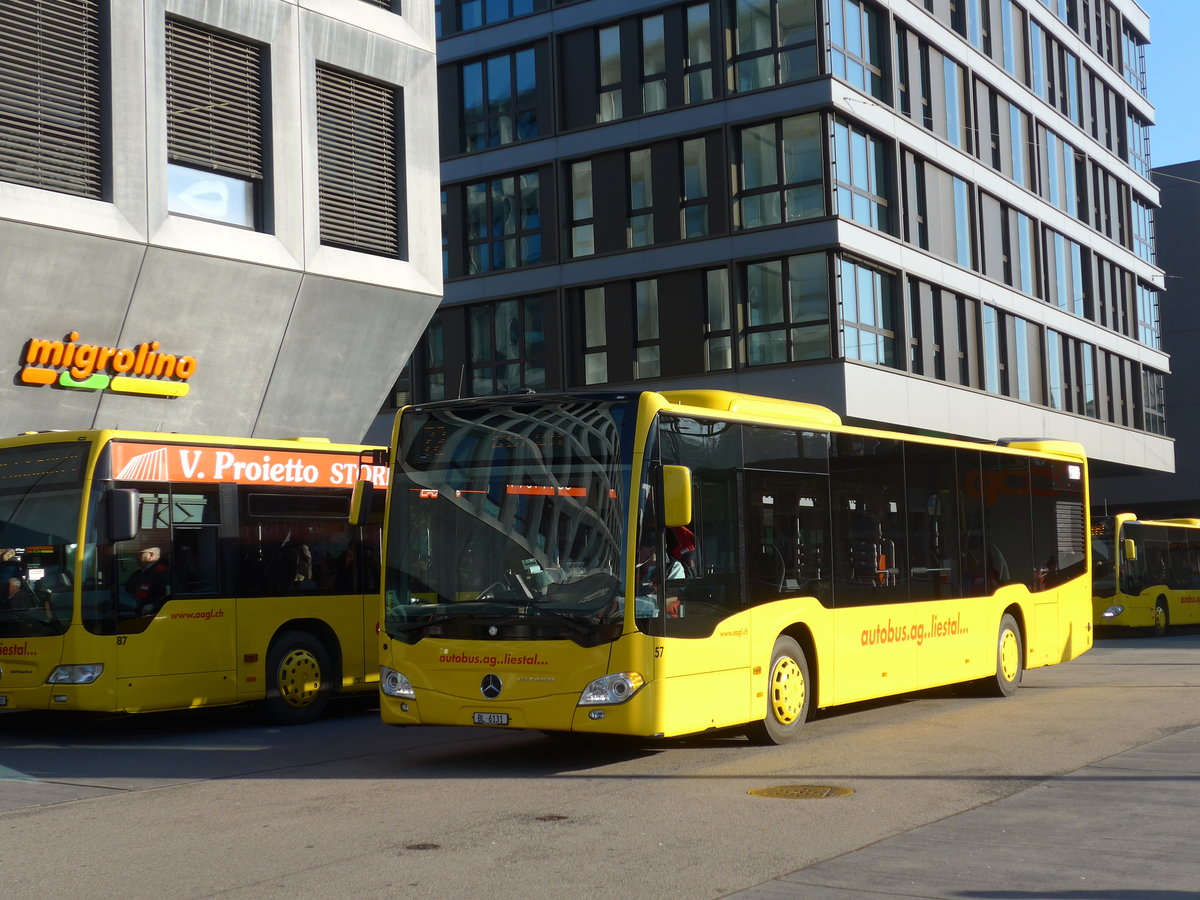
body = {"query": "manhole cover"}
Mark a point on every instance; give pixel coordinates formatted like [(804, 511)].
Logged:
[(802, 792)]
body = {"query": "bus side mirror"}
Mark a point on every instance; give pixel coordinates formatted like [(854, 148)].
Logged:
[(677, 496), (1129, 549), (122, 514), (360, 502)]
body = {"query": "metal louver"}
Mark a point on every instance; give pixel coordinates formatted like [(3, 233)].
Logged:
[(50, 96), (358, 163), (214, 101)]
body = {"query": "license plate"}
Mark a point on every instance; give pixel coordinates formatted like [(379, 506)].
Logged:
[(490, 718)]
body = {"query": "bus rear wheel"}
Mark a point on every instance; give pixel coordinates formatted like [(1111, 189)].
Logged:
[(789, 695), (1010, 661), (299, 679), (1162, 618)]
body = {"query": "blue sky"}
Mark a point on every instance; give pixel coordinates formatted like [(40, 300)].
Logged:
[(1173, 77)]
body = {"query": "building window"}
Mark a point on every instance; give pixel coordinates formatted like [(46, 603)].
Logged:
[(718, 336), (51, 83), (693, 215), (641, 199), (1059, 164), (698, 65), (477, 13), (954, 79), (1154, 405), (1012, 31), (787, 309), (507, 347), (857, 45), (995, 375), (608, 48), (1133, 61), (646, 363), (1147, 310), (595, 337), (867, 312), (434, 359), (1137, 145), (360, 161), (861, 174), (215, 138), (1143, 230), (503, 223), (781, 172), (1065, 273), (654, 65), (926, 330), (774, 41), (499, 100), (583, 228)]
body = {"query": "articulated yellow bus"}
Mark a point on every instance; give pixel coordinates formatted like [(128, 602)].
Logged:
[(665, 564), (1145, 574), (150, 571)]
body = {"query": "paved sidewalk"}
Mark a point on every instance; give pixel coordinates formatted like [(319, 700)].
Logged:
[(1126, 828)]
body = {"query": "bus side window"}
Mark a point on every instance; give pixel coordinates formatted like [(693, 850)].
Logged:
[(787, 540)]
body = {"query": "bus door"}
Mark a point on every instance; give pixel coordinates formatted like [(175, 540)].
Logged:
[(175, 631), (876, 637)]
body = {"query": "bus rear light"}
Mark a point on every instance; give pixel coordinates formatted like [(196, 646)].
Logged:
[(83, 674), (611, 689)]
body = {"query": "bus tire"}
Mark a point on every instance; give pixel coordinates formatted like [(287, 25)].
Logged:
[(789, 695), (1162, 618), (1010, 660), (299, 679)]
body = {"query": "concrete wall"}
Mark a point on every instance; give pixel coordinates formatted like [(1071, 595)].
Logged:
[(290, 337)]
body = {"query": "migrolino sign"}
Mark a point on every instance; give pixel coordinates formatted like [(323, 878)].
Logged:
[(138, 370)]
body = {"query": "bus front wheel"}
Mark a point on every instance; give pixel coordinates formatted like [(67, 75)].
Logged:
[(298, 679), (1162, 619), (789, 695), (1010, 660)]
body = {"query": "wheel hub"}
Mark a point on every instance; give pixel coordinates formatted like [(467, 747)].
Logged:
[(787, 691), (1009, 661), (299, 678)]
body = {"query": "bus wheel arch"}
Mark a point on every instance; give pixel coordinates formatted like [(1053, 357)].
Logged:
[(1162, 617), (791, 691), (302, 669)]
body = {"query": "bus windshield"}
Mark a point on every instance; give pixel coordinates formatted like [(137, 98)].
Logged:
[(507, 520), (40, 499)]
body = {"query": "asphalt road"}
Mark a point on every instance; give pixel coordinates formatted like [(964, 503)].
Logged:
[(214, 804)]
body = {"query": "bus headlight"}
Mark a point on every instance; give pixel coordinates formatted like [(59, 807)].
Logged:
[(1112, 612), (394, 684), (611, 689), (84, 674)]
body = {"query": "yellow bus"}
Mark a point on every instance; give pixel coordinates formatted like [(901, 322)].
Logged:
[(151, 571), (1145, 574), (662, 564)]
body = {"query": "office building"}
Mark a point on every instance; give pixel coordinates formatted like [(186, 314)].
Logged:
[(1166, 495), (213, 213), (929, 214)]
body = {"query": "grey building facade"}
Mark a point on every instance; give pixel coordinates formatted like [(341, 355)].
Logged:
[(214, 213), (928, 214)]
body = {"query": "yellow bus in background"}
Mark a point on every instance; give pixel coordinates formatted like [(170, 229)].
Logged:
[(1145, 573), (661, 564), (148, 571)]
